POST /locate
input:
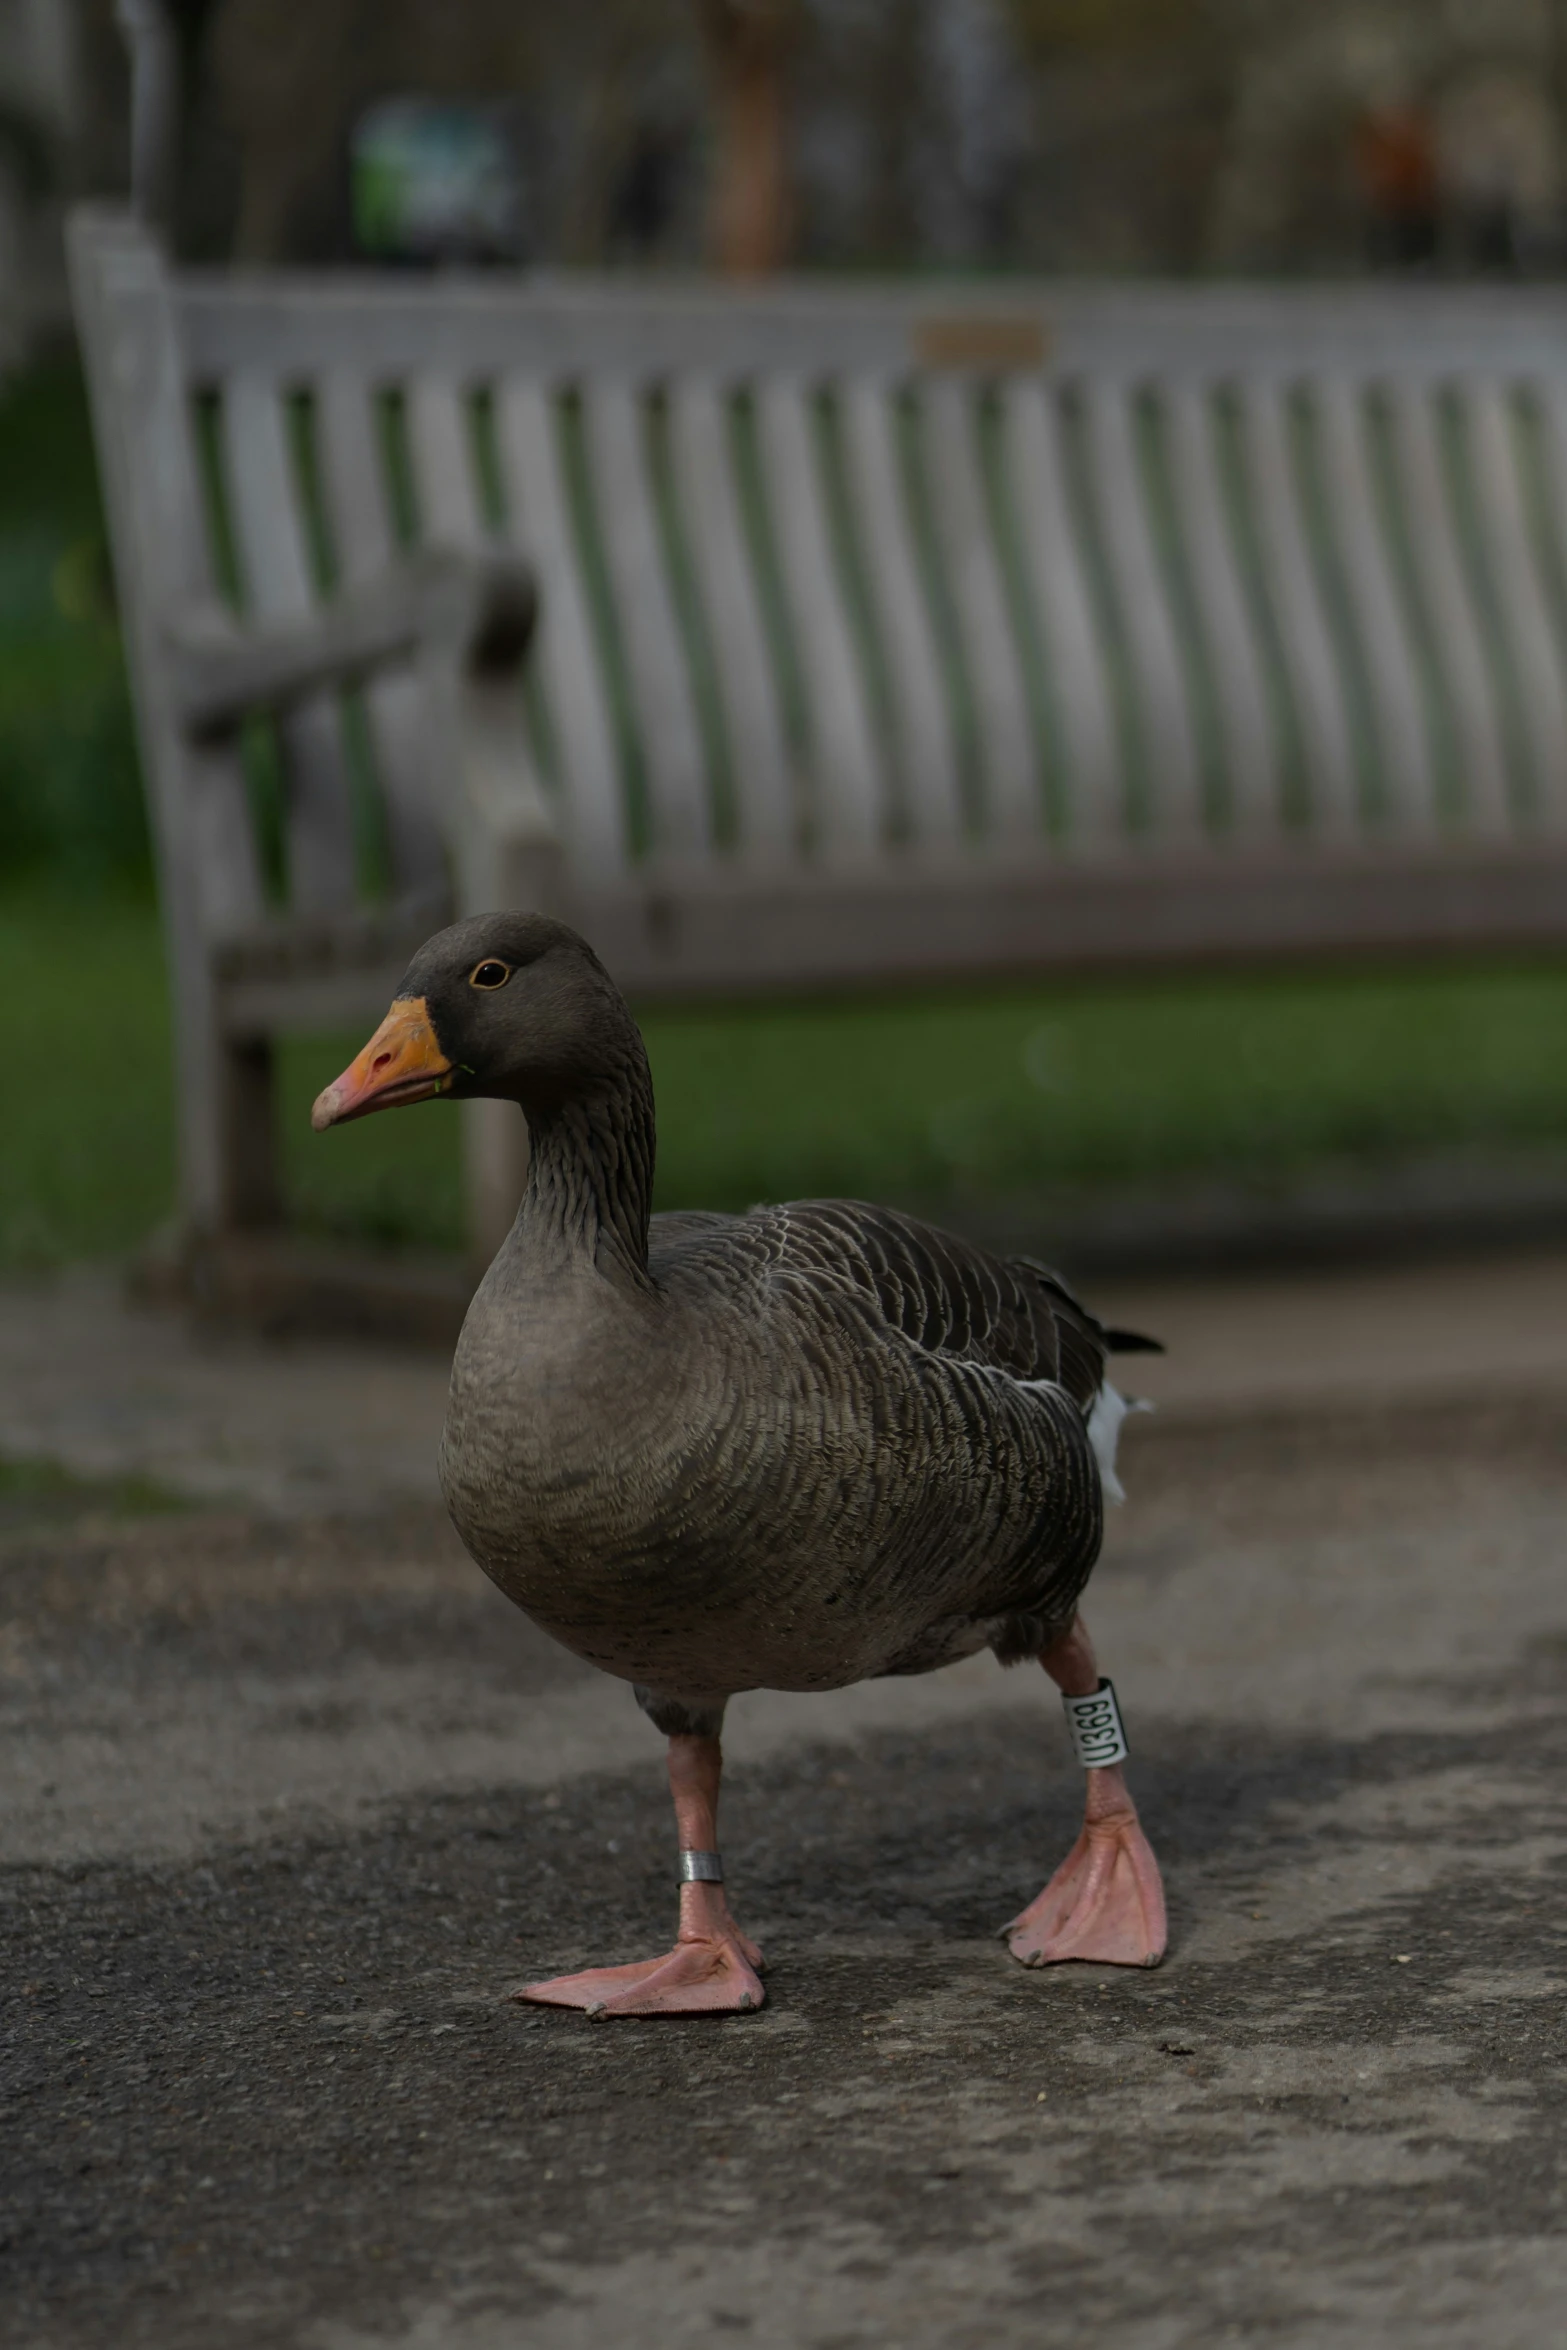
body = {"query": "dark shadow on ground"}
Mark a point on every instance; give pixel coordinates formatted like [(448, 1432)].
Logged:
[(284, 2084)]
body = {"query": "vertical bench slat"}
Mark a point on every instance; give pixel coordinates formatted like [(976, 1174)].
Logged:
[(163, 566), (847, 801), (1550, 404), (922, 722), (593, 815), (748, 689), (275, 568), (1305, 645), (229, 890), (1053, 562), (446, 493), (1398, 705), (1519, 592), (445, 489), (1013, 806), (1251, 749), (362, 536), (1162, 688), (209, 874), (667, 729), (1468, 689)]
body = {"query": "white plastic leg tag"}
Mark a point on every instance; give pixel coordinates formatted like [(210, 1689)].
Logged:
[(1098, 1738)]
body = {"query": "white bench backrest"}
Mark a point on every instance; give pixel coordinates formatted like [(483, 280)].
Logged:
[(858, 575)]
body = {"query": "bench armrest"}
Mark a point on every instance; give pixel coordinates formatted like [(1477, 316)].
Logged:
[(480, 610)]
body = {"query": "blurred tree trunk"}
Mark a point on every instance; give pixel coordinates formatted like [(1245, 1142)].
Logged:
[(897, 106), (284, 80), (748, 43)]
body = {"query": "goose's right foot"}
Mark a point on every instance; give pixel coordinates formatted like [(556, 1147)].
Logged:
[(713, 1971)]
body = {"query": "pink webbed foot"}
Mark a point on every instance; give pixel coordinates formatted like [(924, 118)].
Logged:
[(713, 1969), (1105, 1902), (705, 1974)]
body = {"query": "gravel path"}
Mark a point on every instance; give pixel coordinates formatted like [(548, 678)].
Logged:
[(292, 1799)]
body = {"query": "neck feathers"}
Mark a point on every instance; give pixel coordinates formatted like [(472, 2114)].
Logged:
[(590, 1171)]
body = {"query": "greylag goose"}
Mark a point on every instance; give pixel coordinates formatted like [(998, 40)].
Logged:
[(791, 1449)]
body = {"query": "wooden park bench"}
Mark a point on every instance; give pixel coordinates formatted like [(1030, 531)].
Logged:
[(885, 633)]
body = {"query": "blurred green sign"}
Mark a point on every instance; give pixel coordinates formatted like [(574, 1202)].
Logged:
[(433, 181)]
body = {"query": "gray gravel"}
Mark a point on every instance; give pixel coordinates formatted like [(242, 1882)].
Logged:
[(294, 1801)]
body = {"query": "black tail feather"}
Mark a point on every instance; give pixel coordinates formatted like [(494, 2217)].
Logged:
[(1133, 1342)]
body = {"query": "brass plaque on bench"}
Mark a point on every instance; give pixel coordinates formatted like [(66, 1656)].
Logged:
[(995, 344)]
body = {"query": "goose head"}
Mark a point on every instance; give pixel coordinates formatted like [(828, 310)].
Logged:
[(509, 1007)]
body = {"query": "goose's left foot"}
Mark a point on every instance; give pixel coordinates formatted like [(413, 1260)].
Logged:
[(1104, 1903)]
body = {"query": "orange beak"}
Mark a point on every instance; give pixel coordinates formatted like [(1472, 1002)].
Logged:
[(401, 1063)]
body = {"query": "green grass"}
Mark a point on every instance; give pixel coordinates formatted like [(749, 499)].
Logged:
[(1041, 1089), (942, 1102), (70, 801), (34, 1492), (87, 1162)]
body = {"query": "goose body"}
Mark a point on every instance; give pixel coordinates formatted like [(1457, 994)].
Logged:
[(818, 1443), (791, 1449)]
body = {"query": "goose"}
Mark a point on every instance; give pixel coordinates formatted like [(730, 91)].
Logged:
[(791, 1449)]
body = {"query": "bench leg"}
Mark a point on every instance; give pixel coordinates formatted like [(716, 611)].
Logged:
[(251, 1194)]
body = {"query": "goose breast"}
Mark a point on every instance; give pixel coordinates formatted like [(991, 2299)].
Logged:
[(825, 1443)]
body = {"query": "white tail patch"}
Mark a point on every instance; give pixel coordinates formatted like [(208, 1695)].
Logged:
[(1104, 1432)]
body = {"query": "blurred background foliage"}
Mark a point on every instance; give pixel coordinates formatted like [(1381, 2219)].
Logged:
[(1162, 135), (1145, 135), (1132, 135), (70, 798)]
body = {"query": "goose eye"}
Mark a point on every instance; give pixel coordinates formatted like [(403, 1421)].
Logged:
[(489, 974)]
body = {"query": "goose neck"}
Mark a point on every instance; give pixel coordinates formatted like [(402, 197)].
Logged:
[(590, 1176)]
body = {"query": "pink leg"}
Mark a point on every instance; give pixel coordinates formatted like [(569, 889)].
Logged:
[(1105, 1901), (713, 1968)]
